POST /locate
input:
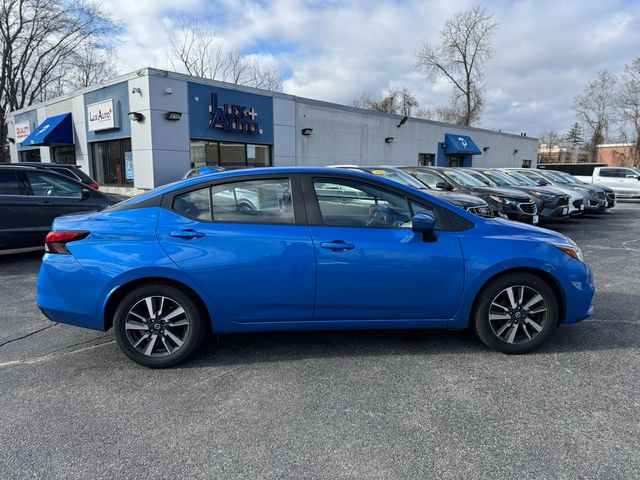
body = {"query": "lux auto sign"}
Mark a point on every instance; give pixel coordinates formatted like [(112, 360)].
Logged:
[(233, 118)]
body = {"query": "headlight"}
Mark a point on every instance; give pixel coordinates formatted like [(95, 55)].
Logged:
[(498, 199), (572, 250)]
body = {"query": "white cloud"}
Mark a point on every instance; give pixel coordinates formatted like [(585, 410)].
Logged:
[(545, 50)]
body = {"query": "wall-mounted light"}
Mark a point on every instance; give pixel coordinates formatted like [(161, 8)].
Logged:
[(168, 91), (403, 121), (173, 116), (388, 140), (136, 117), (11, 140), (307, 131), (485, 149), (136, 90), (515, 151)]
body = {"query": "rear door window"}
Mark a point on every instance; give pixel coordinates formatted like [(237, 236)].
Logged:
[(9, 184), (254, 201), (45, 185)]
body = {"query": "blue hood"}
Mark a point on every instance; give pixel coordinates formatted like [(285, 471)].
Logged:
[(515, 229)]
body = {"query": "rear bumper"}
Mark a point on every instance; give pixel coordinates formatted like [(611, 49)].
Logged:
[(60, 281)]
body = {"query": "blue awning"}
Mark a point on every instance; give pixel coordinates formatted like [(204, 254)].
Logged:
[(53, 131), (460, 145)]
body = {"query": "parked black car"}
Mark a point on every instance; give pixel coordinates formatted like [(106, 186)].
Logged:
[(72, 171), (30, 198), (505, 202), (609, 193), (552, 204)]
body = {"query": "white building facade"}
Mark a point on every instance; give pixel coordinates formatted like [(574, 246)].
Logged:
[(149, 127)]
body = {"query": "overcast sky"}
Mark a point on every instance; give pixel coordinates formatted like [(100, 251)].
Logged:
[(545, 50)]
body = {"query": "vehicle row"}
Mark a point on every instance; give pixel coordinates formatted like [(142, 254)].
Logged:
[(526, 195)]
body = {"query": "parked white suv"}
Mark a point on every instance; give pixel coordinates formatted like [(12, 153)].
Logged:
[(625, 181)]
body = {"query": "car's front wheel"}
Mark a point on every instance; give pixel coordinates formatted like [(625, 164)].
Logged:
[(516, 313), (158, 325)]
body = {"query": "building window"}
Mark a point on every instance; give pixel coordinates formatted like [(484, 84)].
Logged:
[(32, 155), (426, 159), (229, 155), (455, 160), (108, 161), (64, 154), (526, 163)]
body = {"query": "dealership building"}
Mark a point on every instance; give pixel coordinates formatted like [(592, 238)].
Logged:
[(147, 128)]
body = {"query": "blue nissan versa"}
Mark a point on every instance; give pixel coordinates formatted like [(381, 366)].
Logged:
[(304, 249)]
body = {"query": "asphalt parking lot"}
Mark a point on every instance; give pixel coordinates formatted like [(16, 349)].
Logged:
[(391, 405)]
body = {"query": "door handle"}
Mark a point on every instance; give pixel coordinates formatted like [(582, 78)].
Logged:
[(45, 202), (337, 245), (187, 234)]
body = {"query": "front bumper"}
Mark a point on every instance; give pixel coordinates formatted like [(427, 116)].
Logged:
[(579, 289)]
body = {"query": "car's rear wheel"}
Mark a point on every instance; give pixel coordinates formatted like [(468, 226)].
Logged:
[(158, 325), (516, 313)]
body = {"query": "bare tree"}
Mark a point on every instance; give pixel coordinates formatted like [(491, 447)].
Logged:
[(465, 45), (91, 64), (400, 101), (595, 106), (196, 50), (550, 138), (37, 39), (629, 104)]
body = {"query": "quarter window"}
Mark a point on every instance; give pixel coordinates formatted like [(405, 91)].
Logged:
[(346, 203), (9, 183), (44, 185)]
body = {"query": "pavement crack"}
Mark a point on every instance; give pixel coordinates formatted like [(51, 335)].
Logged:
[(49, 356), (27, 335)]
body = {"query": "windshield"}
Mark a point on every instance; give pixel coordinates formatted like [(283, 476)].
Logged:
[(568, 177), (499, 178), (463, 179), (481, 177), (554, 177), (535, 177), (520, 179), (397, 176)]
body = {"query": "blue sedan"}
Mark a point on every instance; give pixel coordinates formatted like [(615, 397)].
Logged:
[(304, 249)]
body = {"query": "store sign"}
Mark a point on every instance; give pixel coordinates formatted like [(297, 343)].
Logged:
[(101, 116), (23, 130), (233, 118)]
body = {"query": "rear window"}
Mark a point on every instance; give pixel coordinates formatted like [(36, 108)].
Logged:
[(9, 184)]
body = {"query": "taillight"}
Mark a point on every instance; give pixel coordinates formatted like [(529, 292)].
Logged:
[(56, 242), (94, 185)]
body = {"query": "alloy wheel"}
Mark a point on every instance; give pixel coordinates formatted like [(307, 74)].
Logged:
[(517, 314), (157, 326)]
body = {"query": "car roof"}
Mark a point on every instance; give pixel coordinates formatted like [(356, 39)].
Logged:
[(271, 172)]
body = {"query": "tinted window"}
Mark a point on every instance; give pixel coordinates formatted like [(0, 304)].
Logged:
[(256, 201), (611, 172), (196, 204), (9, 183), (346, 203), (45, 185), (629, 173)]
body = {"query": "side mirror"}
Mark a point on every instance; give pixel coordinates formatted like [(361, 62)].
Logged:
[(425, 224), (86, 193), (443, 186)]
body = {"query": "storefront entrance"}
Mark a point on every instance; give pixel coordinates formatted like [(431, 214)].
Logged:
[(108, 160), (64, 154)]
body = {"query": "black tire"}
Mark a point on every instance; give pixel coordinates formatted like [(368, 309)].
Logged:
[(523, 324), (165, 351)]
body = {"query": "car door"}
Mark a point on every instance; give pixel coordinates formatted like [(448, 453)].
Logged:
[(370, 264), (629, 183), (54, 195), (17, 228), (244, 243)]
